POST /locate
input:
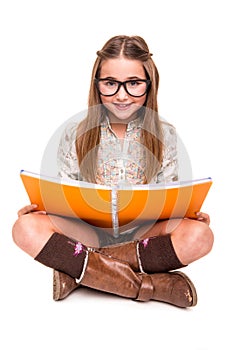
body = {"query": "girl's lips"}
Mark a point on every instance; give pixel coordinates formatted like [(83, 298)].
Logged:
[(122, 106)]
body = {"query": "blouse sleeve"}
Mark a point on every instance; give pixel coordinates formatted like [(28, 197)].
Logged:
[(67, 157), (169, 169)]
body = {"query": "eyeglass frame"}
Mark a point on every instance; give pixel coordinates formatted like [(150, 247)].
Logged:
[(120, 83)]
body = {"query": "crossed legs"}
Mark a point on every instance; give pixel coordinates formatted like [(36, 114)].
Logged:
[(191, 239), (184, 241)]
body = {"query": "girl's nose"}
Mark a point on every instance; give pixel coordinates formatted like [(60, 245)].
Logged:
[(122, 94)]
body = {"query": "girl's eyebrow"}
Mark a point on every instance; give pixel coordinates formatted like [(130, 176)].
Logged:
[(110, 78), (129, 78), (134, 77)]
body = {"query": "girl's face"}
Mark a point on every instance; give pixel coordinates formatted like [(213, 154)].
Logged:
[(122, 106)]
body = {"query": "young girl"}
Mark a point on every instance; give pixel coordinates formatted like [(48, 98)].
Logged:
[(122, 139)]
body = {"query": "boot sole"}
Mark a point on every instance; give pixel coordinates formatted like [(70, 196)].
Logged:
[(56, 285), (191, 286)]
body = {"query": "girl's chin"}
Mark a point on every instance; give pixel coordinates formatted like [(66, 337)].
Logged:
[(121, 117)]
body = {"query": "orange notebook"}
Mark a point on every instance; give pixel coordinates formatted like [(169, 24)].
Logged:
[(112, 207)]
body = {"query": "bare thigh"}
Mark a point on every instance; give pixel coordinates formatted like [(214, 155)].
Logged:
[(158, 228), (75, 229)]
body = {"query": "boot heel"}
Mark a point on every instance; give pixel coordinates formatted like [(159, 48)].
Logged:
[(63, 285)]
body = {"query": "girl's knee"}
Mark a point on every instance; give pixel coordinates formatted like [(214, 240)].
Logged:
[(19, 229), (23, 230), (31, 232), (193, 240), (203, 237), (208, 238)]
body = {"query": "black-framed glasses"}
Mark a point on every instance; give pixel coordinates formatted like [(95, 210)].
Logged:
[(133, 87)]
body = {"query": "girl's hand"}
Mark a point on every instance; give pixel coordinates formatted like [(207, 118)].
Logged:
[(31, 208), (203, 217)]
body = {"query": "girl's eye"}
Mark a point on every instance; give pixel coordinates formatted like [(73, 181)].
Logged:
[(110, 83), (134, 82)]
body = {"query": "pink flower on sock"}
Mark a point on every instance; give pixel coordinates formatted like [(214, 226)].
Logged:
[(145, 242), (78, 248)]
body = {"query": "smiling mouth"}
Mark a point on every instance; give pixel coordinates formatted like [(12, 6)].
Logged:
[(122, 106)]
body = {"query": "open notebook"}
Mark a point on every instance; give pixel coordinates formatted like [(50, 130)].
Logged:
[(112, 207)]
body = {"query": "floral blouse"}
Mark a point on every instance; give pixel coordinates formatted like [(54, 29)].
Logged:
[(119, 160)]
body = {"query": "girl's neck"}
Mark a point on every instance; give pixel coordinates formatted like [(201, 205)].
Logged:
[(119, 126), (119, 129)]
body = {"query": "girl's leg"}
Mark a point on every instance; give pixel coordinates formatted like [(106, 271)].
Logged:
[(32, 231), (165, 245), (42, 238), (191, 239)]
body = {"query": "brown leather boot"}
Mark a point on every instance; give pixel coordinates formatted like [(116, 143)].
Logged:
[(114, 276), (150, 255), (171, 287), (124, 252)]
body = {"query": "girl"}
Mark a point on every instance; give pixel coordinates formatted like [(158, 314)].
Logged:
[(121, 139)]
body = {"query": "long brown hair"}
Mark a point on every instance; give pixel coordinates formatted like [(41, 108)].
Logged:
[(88, 132)]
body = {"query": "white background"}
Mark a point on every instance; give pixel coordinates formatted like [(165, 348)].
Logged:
[(47, 52)]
